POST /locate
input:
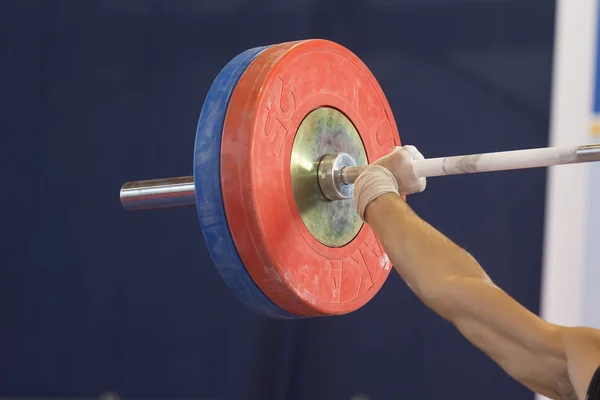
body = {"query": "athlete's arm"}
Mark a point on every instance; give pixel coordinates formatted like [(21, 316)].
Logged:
[(549, 359), (555, 361)]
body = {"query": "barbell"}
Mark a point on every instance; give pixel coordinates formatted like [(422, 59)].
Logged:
[(283, 133)]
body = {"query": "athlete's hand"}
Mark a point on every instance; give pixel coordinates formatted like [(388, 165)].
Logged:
[(400, 163)]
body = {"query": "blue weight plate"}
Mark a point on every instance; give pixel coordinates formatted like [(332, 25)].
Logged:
[(209, 200)]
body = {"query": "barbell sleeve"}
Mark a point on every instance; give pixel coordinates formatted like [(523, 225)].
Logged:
[(175, 192), (158, 193)]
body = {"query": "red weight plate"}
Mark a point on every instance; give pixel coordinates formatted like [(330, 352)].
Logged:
[(281, 86)]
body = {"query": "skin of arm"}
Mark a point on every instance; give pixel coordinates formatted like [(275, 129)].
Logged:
[(555, 361)]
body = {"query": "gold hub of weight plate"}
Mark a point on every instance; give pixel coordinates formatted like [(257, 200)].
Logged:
[(324, 131)]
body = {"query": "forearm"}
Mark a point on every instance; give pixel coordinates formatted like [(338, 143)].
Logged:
[(444, 276), (453, 284), (424, 257)]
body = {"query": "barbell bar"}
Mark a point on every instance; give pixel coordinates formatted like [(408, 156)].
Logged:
[(176, 192)]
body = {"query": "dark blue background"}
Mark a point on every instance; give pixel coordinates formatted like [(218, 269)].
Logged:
[(96, 93)]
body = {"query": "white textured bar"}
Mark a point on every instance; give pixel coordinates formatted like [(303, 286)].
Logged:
[(501, 161)]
